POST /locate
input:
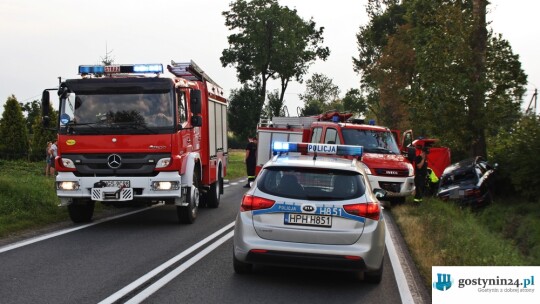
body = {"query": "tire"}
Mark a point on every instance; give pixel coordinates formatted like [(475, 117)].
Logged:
[(81, 211), (374, 277), (188, 214), (241, 267), (214, 194)]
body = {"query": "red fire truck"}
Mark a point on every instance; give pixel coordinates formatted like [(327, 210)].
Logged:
[(383, 161), (128, 135)]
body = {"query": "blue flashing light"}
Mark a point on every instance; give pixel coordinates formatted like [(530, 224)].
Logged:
[(91, 69), (147, 68), (342, 150), (372, 122), (335, 118), (124, 68)]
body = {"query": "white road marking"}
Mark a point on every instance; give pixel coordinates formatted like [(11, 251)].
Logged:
[(403, 286), (68, 230), (176, 272), (134, 285)]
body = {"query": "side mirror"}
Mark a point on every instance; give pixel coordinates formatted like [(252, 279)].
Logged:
[(411, 154), (196, 121), (45, 105), (380, 193), (195, 102)]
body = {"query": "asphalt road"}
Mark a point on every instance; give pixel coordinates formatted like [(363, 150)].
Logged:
[(148, 257)]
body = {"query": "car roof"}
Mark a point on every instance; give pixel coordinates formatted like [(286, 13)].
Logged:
[(463, 165), (308, 161)]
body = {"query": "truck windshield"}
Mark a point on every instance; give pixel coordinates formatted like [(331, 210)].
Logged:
[(373, 141), (117, 113)]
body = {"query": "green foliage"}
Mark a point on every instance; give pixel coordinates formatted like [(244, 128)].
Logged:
[(244, 111), (13, 131), (354, 102), (42, 136), (28, 198), (33, 110), (417, 63), (321, 94), (516, 152), (270, 41), (441, 233)]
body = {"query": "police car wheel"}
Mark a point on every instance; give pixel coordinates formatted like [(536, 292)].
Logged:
[(374, 277), (241, 267)]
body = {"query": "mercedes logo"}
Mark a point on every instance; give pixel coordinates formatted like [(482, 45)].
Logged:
[(114, 161)]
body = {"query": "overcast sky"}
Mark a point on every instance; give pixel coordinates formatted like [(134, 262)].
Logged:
[(44, 40)]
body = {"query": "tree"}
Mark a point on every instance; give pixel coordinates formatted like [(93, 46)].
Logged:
[(42, 135), (274, 106), (418, 65), (270, 41), (354, 102), (13, 131), (243, 103), (320, 93), (33, 110)]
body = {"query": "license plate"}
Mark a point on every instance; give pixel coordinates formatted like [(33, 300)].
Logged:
[(117, 183), (308, 219)]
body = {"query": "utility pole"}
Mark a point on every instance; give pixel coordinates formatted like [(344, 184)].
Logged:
[(535, 98)]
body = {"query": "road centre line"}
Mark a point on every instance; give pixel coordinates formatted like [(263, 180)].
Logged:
[(68, 230), (176, 272), (137, 283)]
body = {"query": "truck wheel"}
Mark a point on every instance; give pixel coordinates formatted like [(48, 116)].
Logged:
[(81, 211), (214, 194), (188, 214)]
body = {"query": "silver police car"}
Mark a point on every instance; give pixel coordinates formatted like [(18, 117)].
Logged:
[(312, 211)]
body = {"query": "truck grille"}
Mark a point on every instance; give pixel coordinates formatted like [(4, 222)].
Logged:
[(392, 187), (392, 172), (127, 164)]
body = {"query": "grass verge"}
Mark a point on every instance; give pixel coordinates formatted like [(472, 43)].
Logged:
[(441, 234)]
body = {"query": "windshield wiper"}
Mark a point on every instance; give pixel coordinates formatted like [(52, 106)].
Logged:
[(381, 149), (135, 125), (71, 125)]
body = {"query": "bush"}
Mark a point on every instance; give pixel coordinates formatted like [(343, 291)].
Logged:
[(516, 152)]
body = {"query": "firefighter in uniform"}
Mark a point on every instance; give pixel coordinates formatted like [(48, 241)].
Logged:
[(420, 168), (251, 160)]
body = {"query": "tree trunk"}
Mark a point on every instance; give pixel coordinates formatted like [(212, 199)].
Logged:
[(477, 103)]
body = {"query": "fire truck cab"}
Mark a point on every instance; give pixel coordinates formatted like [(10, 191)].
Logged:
[(127, 135), (386, 167)]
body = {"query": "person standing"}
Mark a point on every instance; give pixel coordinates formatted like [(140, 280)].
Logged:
[(48, 159), (53, 152), (420, 168), (251, 160)]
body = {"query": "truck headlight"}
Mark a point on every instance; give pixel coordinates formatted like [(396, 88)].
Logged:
[(164, 162), (366, 168), (157, 186), (411, 169), (68, 186), (68, 163)]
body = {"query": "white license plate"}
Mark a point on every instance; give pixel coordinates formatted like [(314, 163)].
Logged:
[(117, 183), (308, 219)]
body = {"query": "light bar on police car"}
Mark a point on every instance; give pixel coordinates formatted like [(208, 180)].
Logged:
[(343, 150), (124, 68)]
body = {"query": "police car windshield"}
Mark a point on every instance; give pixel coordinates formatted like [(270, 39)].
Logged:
[(373, 141), (311, 183)]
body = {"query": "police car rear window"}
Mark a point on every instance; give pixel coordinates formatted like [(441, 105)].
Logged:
[(311, 183)]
